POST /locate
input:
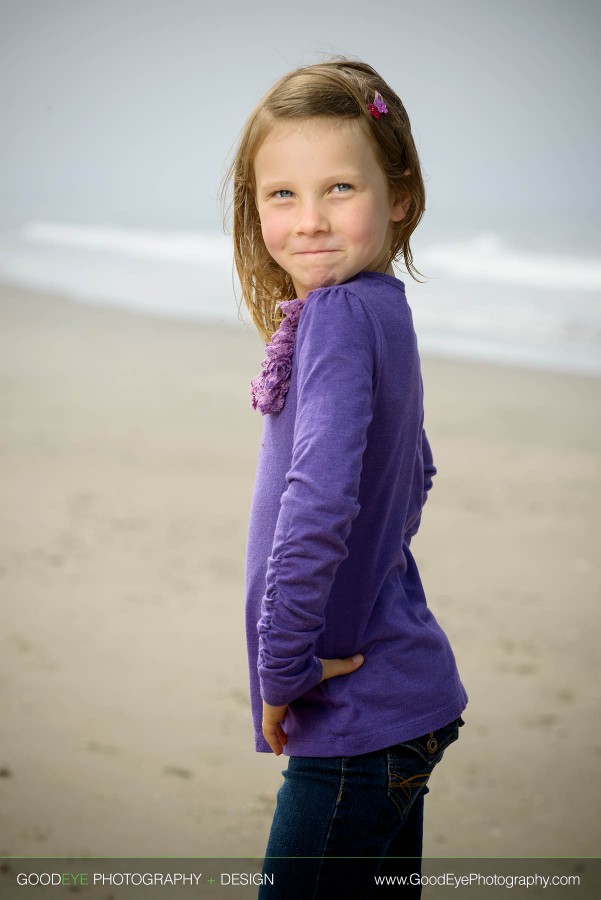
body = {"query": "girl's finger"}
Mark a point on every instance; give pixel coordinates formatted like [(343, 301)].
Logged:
[(271, 736), (334, 667)]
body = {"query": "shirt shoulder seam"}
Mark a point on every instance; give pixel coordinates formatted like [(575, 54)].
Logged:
[(376, 326), (369, 314)]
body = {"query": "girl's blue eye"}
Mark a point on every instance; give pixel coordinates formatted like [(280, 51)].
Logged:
[(344, 185), (283, 191)]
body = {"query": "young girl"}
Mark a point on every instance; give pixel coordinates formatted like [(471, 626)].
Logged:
[(351, 675)]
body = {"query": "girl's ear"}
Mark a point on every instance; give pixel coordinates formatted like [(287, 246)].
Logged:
[(401, 201), (400, 206)]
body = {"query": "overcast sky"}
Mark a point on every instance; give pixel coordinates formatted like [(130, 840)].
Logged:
[(123, 111)]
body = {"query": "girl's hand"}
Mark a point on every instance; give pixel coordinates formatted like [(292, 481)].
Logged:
[(273, 716), (274, 734)]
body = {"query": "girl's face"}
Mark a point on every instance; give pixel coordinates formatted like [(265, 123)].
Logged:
[(324, 202)]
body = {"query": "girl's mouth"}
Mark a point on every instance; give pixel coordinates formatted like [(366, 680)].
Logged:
[(314, 252)]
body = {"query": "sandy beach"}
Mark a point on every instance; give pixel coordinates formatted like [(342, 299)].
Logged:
[(128, 449)]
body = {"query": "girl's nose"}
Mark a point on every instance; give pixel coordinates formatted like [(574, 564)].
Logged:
[(311, 218)]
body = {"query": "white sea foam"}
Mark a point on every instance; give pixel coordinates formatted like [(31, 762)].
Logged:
[(180, 274), (486, 258), (191, 248)]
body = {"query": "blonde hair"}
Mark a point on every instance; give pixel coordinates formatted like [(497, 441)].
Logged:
[(340, 88)]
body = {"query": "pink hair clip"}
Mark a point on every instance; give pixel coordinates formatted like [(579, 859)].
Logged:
[(378, 107)]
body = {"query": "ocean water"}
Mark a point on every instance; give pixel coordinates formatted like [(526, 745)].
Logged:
[(484, 299)]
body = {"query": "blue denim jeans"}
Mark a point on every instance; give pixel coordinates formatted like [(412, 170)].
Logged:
[(341, 820)]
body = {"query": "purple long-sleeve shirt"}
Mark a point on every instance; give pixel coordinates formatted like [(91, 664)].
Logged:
[(343, 473)]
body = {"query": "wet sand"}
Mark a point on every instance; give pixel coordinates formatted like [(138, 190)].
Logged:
[(128, 448)]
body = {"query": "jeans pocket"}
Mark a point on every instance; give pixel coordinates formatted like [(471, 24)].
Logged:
[(410, 764), (431, 747)]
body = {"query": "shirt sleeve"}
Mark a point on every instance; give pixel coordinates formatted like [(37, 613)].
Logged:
[(337, 357)]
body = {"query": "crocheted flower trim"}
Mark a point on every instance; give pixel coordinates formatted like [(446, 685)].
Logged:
[(269, 388)]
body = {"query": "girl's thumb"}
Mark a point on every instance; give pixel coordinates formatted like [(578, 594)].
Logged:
[(331, 668)]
